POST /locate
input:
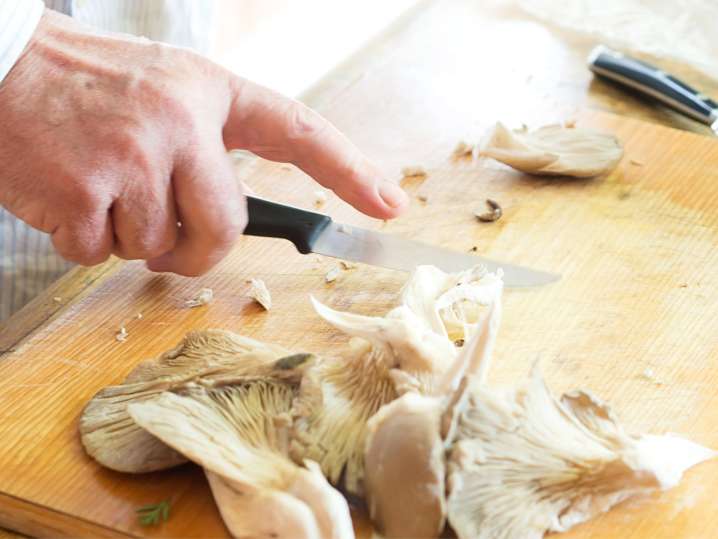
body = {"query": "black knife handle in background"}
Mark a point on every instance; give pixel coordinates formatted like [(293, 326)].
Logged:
[(653, 82), (273, 220)]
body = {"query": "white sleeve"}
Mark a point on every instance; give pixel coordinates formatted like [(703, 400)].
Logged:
[(18, 20)]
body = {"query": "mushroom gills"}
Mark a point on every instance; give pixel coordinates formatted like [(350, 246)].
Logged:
[(239, 435), (205, 358), (524, 464)]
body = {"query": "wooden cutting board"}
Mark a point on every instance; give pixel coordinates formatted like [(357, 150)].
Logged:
[(637, 250), (634, 319)]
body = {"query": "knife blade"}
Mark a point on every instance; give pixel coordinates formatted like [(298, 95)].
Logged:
[(313, 232), (655, 83)]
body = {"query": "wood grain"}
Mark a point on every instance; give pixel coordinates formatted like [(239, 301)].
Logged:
[(637, 251)]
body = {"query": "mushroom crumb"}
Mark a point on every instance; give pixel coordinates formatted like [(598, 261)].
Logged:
[(423, 198), (203, 297), (494, 214), (260, 293), (650, 375), (462, 150), (553, 150), (332, 274), (320, 198), (121, 336), (417, 173), (346, 265)]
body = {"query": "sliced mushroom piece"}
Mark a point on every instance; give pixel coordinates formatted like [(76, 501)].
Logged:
[(407, 350), (404, 463), (400, 338), (208, 358), (233, 432), (524, 464), (203, 297), (259, 292), (404, 456), (451, 304), (553, 150)]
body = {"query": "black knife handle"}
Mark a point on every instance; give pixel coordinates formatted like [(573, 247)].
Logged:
[(273, 220), (654, 83)]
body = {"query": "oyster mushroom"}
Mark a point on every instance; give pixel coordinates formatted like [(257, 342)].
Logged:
[(238, 434), (409, 349), (524, 464), (208, 358), (404, 455), (553, 150), (404, 468)]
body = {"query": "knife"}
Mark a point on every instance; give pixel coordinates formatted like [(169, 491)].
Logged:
[(653, 82), (312, 232)]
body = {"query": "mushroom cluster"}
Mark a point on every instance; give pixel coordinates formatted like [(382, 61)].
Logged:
[(402, 418)]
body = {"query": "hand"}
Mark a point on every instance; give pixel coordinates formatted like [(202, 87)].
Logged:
[(107, 142)]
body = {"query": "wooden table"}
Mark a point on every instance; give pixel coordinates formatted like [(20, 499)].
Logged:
[(476, 78)]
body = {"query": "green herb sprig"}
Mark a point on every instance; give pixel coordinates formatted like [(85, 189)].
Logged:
[(152, 514)]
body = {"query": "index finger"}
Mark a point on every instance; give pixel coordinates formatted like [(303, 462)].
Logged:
[(281, 129)]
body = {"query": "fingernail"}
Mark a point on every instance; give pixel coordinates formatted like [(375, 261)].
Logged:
[(392, 195)]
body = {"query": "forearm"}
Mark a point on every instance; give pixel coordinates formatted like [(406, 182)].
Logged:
[(18, 20)]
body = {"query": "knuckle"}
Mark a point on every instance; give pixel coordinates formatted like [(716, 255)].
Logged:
[(147, 242), (129, 148), (303, 122), (85, 196), (84, 253), (94, 258), (192, 271)]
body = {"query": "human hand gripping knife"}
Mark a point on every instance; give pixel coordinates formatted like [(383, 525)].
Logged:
[(314, 232)]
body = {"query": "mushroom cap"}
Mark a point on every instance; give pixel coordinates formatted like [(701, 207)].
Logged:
[(404, 468), (239, 436), (267, 514), (524, 463), (553, 150), (210, 358)]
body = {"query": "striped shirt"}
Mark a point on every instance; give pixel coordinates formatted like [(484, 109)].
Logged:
[(28, 262)]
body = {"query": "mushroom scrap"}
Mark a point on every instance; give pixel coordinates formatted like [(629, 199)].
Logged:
[(402, 417), (553, 150)]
